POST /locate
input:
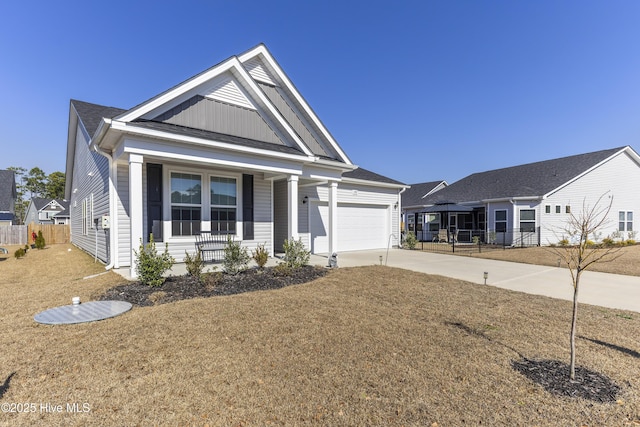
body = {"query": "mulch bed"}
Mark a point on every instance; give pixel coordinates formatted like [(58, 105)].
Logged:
[(553, 375), (177, 288)]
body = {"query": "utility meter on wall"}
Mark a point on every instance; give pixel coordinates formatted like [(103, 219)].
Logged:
[(106, 222)]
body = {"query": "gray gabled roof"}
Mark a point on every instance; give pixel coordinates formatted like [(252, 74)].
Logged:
[(415, 195), (41, 202), (7, 189), (529, 180), (367, 175), (92, 114)]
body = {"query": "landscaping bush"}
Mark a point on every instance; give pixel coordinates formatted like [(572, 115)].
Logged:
[(40, 243), (194, 264), (608, 242), (295, 255), (151, 265), (260, 256), (410, 240), (564, 242), (19, 253), (236, 257)]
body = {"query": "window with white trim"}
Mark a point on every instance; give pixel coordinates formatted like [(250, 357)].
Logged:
[(625, 221), (547, 208), (528, 220), (84, 217), (186, 204), (433, 221), (500, 221), (224, 204)]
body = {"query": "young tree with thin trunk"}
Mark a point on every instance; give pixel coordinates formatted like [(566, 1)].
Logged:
[(582, 253)]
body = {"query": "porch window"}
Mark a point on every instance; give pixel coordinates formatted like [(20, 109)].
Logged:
[(528, 220), (625, 221), (434, 221), (501, 221), (223, 205), (186, 204)]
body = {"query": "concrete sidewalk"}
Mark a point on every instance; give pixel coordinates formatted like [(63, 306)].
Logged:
[(602, 289)]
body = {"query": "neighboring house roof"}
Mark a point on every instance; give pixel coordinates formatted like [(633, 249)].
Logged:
[(416, 195), (7, 190), (366, 175), (532, 180), (41, 202)]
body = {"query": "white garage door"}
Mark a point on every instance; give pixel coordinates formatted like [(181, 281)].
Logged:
[(360, 227)]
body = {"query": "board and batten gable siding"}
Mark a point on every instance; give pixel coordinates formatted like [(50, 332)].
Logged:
[(91, 179), (619, 176), (294, 118), (215, 116)]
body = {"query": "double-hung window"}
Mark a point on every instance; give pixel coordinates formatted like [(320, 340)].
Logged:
[(625, 221), (528, 220), (186, 204), (224, 205), (501, 221)]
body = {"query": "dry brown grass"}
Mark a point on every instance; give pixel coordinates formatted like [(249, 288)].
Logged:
[(627, 259), (363, 346)]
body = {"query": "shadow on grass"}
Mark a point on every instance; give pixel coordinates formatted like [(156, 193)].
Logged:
[(624, 350), (5, 386), (553, 375)]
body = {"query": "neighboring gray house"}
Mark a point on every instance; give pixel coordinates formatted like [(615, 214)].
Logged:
[(8, 195), (235, 149), (413, 205), (47, 211), (529, 204)]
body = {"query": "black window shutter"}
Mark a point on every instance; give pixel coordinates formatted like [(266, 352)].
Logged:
[(247, 207)]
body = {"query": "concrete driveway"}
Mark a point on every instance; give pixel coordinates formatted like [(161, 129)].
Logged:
[(602, 289)]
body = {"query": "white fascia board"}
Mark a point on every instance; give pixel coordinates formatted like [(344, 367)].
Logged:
[(262, 50), (626, 149), (165, 151), (373, 183), (131, 129), (232, 65), (506, 199), (167, 96)]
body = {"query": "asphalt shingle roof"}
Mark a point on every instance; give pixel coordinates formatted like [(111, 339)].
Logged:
[(528, 180), (92, 114), (367, 175), (414, 196), (7, 189)]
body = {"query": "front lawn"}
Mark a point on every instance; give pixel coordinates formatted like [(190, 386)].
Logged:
[(359, 346)]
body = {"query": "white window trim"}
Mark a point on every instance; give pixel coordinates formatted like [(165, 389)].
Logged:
[(506, 220), (205, 200)]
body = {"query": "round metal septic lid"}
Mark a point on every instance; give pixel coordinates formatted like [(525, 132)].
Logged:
[(80, 313)]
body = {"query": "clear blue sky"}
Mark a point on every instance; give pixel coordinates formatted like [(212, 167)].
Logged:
[(414, 90)]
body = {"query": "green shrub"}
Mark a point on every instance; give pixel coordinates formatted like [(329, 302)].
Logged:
[(629, 242), (236, 257), (40, 243), (282, 269), (563, 242), (260, 255), (151, 265), (194, 264), (295, 255), (410, 240), (608, 242), (19, 253)]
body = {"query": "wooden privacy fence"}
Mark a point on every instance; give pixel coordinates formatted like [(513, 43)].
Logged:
[(52, 233), (13, 235)]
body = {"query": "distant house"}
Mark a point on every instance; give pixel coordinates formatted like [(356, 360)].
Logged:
[(8, 195), (529, 204), (233, 150), (413, 205), (47, 211)]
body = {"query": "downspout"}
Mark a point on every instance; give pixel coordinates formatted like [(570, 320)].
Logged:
[(112, 207)]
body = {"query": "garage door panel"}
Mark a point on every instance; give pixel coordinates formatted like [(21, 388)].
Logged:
[(360, 227)]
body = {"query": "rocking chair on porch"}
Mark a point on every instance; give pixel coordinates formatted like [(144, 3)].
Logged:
[(441, 236)]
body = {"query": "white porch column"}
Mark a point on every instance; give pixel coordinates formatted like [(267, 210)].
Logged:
[(135, 206), (333, 217), (292, 207)]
